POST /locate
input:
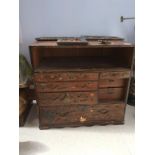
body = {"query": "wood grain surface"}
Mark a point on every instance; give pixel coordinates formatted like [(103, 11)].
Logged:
[(67, 98), (112, 94), (66, 86), (112, 83), (60, 116), (114, 75), (65, 76)]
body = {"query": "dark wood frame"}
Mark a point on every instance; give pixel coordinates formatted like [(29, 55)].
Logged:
[(118, 49)]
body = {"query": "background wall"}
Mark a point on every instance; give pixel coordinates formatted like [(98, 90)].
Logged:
[(74, 18)]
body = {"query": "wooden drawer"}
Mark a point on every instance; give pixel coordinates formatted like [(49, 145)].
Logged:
[(114, 75), (67, 98), (49, 77), (112, 83), (60, 116), (111, 94), (66, 86)]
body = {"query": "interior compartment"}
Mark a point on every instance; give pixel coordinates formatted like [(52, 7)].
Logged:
[(64, 58)]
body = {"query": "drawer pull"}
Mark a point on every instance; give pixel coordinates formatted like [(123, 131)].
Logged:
[(103, 111), (92, 94), (91, 110), (110, 91), (111, 80), (114, 74), (66, 98), (42, 84), (82, 119), (60, 78), (53, 77)]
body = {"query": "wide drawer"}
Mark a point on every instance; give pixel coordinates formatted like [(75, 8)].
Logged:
[(114, 75), (67, 98), (66, 86), (112, 83), (60, 116), (112, 94), (49, 77)]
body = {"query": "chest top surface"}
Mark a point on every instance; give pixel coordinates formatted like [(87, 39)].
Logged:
[(93, 44)]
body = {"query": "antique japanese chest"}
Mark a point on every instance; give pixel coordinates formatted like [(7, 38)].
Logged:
[(81, 85)]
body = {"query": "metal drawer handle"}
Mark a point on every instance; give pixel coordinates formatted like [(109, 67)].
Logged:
[(114, 74), (82, 119), (42, 84)]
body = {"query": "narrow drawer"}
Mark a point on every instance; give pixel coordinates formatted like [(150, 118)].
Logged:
[(114, 75), (112, 83), (111, 94), (66, 86), (67, 98), (60, 116), (49, 77)]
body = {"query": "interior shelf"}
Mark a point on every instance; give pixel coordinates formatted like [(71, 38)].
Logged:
[(69, 63)]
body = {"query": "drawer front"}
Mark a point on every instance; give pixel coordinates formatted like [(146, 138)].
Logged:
[(60, 116), (115, 74), (112, 83), (66, 86), (111, 94), (67, 98), (49, 77)]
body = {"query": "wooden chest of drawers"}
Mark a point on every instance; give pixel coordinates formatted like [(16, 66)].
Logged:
[(78, 86)]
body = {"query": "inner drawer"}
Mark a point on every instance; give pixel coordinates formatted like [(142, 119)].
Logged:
[(112, 94), (67, 98), (66, 86), (70, 76), (82, 114)]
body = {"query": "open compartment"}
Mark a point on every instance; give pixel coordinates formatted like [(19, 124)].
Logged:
[(81, 58)]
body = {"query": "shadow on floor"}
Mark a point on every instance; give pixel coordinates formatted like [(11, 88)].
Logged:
[(31, 148)]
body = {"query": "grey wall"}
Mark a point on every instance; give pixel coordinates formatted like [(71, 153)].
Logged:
[(74, 18)]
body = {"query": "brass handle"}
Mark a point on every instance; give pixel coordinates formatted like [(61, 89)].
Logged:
[(82, 119), (42, 84)]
